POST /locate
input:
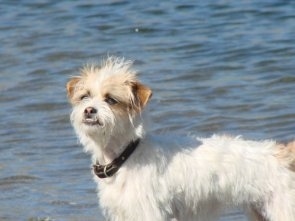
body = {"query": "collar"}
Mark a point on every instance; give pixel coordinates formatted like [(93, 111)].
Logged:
[(104, 171)]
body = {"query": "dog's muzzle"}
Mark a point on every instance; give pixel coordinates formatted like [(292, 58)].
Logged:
[(90, 117)]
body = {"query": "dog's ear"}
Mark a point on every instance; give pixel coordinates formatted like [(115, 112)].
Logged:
[(142, 94), (71, 86)]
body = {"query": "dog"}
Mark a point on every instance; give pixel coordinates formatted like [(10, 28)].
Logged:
[(150, 177)]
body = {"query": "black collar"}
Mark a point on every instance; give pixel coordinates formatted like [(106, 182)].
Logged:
[(104, 171)]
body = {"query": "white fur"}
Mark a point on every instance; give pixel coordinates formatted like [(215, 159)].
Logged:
[(183, 178)]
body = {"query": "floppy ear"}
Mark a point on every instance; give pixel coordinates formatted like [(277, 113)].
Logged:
[(142, 94), (71, 86)]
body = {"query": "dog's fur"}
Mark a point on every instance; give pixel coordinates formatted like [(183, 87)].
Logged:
[(169, 178)]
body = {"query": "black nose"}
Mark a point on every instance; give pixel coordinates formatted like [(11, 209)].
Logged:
[(89, 111)]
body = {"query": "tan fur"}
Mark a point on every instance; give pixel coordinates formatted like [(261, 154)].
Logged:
[(71, 86), (286, 154), (123, 86), (143, 93)]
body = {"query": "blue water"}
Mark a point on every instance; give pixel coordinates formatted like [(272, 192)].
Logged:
[(214, 67)]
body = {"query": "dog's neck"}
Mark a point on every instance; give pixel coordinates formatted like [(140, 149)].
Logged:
[(114, 148), (105, 153), (108, 170)]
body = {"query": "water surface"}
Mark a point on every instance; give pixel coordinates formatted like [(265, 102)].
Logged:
[(214, 67)]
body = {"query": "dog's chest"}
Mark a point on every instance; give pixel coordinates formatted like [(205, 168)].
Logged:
[(133, 191)]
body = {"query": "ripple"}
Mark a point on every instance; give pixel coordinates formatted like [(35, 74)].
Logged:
[(17, 180), (44, 106)]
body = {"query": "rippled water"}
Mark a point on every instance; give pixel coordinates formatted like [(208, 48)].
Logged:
[(214, 66)]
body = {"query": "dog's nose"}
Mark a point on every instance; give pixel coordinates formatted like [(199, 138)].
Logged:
[(89, 111)]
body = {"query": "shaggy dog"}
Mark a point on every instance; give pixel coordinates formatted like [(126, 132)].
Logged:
[(146, 177)]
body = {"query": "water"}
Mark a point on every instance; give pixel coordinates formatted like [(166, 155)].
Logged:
[(214, 66)]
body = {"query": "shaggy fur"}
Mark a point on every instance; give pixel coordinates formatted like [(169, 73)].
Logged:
[(173, 178)]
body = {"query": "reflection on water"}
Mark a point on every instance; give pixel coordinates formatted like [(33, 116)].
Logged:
[(215, 67)]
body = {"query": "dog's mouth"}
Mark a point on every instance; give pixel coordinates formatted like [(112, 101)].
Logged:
[(92, 122)]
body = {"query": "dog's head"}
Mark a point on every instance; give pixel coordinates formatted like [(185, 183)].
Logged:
[(107, 101)]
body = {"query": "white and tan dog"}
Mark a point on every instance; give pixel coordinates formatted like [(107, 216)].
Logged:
[(144, 177)]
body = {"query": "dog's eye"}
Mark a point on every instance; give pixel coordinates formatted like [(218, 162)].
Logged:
[(84, 96), (110, 100)]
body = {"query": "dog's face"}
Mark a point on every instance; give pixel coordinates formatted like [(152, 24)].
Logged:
[(107, 100)]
